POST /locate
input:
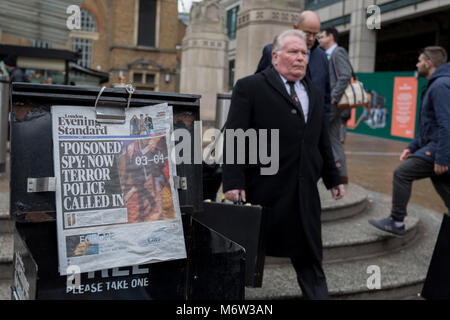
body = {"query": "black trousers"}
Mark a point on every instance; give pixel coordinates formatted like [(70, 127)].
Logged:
[(414, 169), (311, 278), (310, 275)]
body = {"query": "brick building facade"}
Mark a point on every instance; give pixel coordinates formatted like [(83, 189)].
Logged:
[(134, 41), (137, 40)]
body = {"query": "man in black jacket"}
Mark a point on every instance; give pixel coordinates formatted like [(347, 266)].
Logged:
[(281, 98)]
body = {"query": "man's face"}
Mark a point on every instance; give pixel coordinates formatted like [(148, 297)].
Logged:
[(324, 40), (423, 66), (292, 59), (311, 28)]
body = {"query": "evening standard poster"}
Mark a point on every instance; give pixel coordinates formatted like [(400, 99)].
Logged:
[(116, 202)]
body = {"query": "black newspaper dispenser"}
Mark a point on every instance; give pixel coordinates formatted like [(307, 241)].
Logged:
[(215, 265)]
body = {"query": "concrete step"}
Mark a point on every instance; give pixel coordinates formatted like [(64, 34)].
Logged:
[(354, 238), (6, 255), (5, 290), (354, 202), (6, 224), (402, 271)]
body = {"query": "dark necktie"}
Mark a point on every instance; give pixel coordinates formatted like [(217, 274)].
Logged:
[(293, 93)]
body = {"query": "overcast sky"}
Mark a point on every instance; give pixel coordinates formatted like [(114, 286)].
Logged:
[(187, 5)]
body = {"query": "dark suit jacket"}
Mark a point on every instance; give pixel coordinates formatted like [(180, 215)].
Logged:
[(261, 101), (318, 70)]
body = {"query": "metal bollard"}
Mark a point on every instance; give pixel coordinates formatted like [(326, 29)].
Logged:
[(4, 108), (222, 108)]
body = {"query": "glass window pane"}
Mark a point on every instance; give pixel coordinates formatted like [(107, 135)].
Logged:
[(83, 45), (147, 23), (232, 22), (137, 77), (150, 79)]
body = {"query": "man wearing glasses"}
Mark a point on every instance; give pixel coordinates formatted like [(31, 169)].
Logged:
[(318, 72)]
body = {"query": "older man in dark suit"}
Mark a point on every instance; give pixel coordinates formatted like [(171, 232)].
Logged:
[(282, 98)]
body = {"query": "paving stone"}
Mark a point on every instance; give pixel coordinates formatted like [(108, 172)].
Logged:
[(5, 290), (6, 255)]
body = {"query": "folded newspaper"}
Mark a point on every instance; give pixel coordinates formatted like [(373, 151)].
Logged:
[(115, 199)]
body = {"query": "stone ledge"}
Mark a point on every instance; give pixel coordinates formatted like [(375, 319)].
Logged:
[(353, 194), (6, 247), (353, 203), (5, 290), (355, 238)]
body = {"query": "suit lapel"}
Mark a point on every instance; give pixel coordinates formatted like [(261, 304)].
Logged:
[(275, 81), (273, 78)]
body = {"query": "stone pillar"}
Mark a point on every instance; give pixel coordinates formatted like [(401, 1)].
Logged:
[(363, 41), (204, 62), (259, 21)]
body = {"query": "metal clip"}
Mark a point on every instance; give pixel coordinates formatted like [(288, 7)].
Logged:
[(41, 185), (130, 89), (109, 114), (180, 182), (98, 98)]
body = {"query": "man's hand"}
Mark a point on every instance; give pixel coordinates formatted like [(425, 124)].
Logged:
[(438, 169), (338, 192), (405, 154), (233, 195)]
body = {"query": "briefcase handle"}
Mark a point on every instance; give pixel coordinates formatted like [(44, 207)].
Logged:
[(239, 203)]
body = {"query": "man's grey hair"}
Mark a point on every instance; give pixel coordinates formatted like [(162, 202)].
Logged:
[(279, 40)]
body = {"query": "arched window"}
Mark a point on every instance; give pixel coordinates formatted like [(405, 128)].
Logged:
[(83, 42)]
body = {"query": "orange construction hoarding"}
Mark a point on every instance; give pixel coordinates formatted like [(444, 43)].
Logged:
[(404, 107)]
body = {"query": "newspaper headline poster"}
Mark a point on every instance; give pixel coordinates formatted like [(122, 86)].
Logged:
[(116, 202)]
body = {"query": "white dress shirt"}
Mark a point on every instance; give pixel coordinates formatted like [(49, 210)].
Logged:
[(300, 90), (330, 50)]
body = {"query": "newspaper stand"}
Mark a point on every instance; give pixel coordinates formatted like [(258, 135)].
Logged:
[(215, 266)]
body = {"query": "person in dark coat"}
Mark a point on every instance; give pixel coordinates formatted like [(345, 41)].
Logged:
[(15, 74), (318, 70), (282, 98), (428, 155)]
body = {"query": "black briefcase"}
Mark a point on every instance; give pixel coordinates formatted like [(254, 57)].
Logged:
[(245, 225), (437, 282)]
